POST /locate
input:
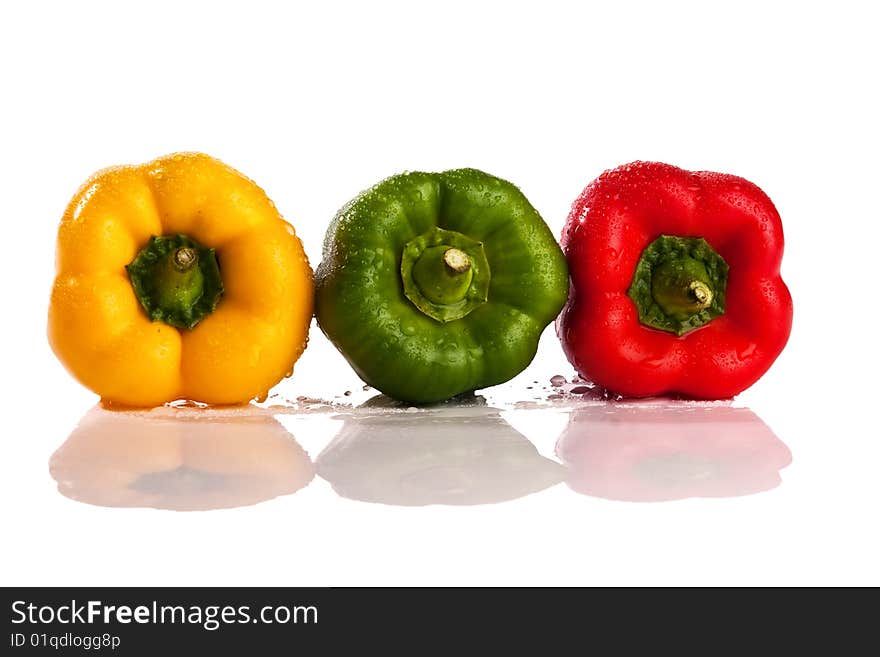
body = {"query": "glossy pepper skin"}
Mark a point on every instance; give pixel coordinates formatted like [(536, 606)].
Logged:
[(732, 314), (225, 347), (435, 284)]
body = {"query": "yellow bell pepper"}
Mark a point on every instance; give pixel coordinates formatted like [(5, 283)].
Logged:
[(178, 279)]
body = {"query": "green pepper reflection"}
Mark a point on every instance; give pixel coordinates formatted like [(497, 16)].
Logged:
[(453, 454)]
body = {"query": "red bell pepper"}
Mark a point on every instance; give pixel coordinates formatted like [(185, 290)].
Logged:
[(675, 283)]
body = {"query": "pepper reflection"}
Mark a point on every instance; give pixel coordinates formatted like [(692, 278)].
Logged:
[(651, 453), (180, 461), (453, 455)]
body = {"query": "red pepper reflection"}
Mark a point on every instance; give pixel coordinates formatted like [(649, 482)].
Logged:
[(652, 453)]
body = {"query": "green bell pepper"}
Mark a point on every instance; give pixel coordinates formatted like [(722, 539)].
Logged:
[(435, 284)]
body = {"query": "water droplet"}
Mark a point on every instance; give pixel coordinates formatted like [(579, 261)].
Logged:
[(557, 380)]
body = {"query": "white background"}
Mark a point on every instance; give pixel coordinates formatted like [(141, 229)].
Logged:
[(318, 102)]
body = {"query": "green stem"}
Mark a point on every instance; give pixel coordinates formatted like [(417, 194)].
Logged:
[(681, 287), (443, 274), (176, 280), (680, 284)]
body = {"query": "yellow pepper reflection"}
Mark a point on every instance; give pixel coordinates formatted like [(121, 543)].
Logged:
[(179, 460)]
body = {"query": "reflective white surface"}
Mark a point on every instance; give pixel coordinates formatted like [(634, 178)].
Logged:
[(531, 484), (459, 453)]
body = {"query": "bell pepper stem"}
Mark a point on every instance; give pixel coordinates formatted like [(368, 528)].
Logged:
[(679, 284), (176, 280), (680, 287), (701, 293), (185, 258), (443, 274), (179, 282), (456, 260)]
